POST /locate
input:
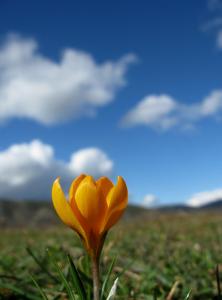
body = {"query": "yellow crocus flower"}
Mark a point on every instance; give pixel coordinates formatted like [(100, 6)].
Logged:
[(92, 209)]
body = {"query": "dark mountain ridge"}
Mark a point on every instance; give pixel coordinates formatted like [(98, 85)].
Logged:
[(41, 213)]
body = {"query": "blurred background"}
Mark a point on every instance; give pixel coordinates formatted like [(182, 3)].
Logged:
[(112, 88), (108, 88)]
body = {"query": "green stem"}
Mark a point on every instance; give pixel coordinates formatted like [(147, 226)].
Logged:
[(95, 274)]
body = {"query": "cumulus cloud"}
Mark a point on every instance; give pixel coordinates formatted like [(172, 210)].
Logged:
[(92, 161), (149, 200), (164, 112), (36, 87), (27, 170), (154, 111), (219, 39), (205, 197), (214, 4), (214, 25)]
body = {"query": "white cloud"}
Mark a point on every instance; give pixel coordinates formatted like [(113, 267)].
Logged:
[(219, 39), (215, 23), (212, 24), (90, 159), (154, 110), (28, 170), (214, 4), (163, 112), (203, 198), (211, 105), (36, 87), (149, 200)]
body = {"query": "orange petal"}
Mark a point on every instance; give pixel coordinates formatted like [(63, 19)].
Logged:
[(104, 185), (64, 210), (113, 219), (118, 195), (74, 187), (88, 202), (72, 191), (117, 200)]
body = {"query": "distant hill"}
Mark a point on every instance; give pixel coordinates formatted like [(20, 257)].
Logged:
[(175, 208), (213, 205), (22, 213), (41, 213)]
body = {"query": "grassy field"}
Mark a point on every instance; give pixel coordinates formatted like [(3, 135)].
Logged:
[(159, 256)]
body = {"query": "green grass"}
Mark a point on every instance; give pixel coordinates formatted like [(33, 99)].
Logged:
[(155, 255)]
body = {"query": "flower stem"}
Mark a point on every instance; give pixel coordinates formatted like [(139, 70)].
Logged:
[(95, 274)]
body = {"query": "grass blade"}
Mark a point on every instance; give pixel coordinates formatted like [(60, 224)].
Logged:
[(18, 291), (77, 282), (41, 265), (106, 280), (86, 278), (218, 280), (39, 288), (85, 272), (188, 295), (62, 278), (112, 292)]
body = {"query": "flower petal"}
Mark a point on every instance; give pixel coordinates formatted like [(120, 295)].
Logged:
[(104, 185), (72, 191), (118, 196), (117, 200), (64, 210), (113, 218), (74, 187), (88, 202)]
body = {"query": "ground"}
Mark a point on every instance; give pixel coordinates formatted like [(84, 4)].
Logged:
[(159, 256)]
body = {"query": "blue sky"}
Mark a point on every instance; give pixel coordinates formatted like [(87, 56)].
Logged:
[(126, 88)]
